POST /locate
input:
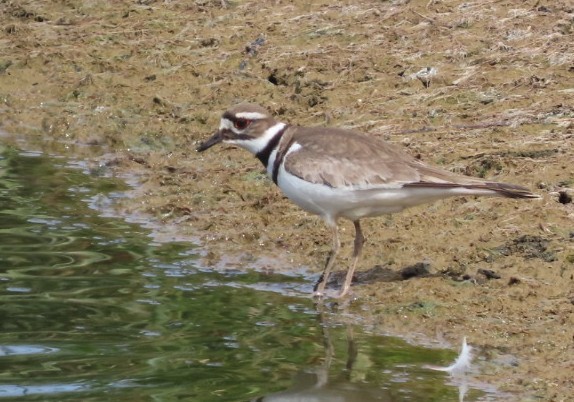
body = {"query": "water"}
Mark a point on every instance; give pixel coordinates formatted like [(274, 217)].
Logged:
[(92, 309)]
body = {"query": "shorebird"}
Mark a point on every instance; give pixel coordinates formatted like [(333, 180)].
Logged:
[(337, 173)]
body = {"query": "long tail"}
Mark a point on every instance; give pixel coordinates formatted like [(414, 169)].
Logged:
[(508, 190), (482, 188)]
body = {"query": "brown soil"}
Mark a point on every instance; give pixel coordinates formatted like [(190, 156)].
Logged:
[(133, 86)]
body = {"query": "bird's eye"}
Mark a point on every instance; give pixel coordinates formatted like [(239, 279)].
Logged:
[(241, 124)]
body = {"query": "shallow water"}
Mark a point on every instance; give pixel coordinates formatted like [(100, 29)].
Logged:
[(92, 309)]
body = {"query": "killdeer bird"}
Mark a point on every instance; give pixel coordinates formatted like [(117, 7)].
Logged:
[(337, 173)]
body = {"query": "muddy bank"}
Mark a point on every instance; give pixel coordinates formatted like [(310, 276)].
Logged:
[(134, 86)]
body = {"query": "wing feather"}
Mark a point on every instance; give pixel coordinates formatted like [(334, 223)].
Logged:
[(342, 158)]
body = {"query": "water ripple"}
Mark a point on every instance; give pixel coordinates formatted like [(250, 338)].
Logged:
[(13, 390), (13, 350)]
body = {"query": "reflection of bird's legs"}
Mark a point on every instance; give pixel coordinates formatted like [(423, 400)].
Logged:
[(323, 371), (352, 350)]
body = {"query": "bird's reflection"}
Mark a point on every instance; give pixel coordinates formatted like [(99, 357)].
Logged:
[(313, 385)]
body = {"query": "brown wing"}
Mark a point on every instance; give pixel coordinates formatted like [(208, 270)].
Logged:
[(342, 158)]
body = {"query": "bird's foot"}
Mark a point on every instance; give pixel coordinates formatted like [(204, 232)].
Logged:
[(331, 294), (345, 291), (318, 294)]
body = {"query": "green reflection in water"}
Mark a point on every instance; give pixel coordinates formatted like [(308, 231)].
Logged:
[(91, 310)]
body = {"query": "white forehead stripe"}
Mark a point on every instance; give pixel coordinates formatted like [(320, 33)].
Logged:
[(250, 115), (225, 123)]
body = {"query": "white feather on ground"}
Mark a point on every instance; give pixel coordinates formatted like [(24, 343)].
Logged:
[(461, 364)]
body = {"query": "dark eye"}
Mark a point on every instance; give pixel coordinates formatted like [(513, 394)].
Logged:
[(241, 124)]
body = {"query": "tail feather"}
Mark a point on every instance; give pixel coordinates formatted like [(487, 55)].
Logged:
[(510, 190), (501, 189)]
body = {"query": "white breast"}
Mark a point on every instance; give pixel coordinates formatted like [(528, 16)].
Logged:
[(325, 201)]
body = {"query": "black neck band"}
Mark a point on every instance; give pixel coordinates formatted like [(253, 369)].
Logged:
[(264, 154)]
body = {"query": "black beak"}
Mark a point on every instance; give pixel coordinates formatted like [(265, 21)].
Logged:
[(213, 140)]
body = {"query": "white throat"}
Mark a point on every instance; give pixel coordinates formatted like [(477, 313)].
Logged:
[(257, 144)]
